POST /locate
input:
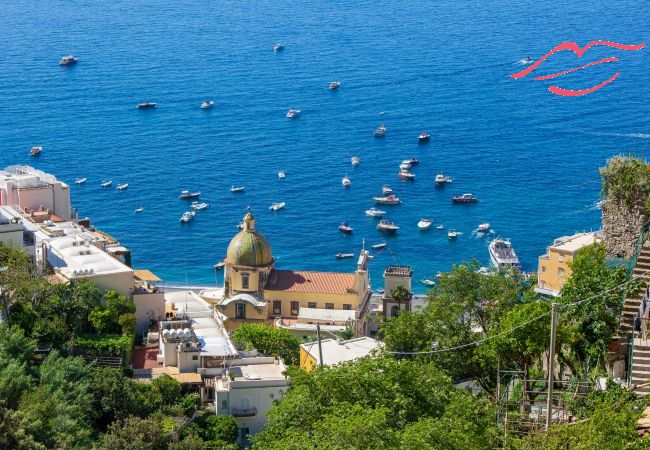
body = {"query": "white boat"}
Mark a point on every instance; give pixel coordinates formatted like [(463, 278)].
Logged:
[(379, 246), (428, 282), (381, 131), (186, 195), (237, 188), (423, 137), (387, 226), (146, 105), (374, 212), (187, 216), (293, 113), (502, 255), (389, 199), (406, 175), (483, 228), (80, 180), (442, 179), (405, 166), (207, 104), (346, 182), (278, 47), (123, 186), (277, 206), (386, 189), (139, 210), (355, 160), (281, 175), (345, 228), (452, 234), (220, 265), (379, 290), (412, 161), (334, 85), (35, 151), (199, 206), (440, 227), (106, 183), (68, 60), (425, 224), (344, 255)]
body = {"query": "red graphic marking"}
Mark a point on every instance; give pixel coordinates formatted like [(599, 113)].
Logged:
[(571, 93), (564, 72)]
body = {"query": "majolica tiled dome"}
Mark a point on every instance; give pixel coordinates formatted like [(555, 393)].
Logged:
[(248, 247)]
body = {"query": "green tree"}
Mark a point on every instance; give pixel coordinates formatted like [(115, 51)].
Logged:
[(135, 434), (220, 428), (127, 323), (101, 319), (401, 295), (268, 340), (166, 390), (12, 434)]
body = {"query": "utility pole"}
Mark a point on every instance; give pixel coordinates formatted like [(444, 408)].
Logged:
[(320, 347), (551, 358)]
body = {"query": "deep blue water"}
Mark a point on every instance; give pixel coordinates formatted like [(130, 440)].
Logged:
[(531, 157)]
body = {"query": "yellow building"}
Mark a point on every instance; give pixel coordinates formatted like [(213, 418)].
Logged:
[(554, 270), (255, 292)]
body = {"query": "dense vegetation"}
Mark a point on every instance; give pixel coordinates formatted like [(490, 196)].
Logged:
[(627, 179), (268, 341)]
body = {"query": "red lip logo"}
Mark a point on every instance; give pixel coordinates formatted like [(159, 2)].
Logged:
[(575, 48)]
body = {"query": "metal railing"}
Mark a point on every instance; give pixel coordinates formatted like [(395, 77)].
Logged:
[(644, 234)]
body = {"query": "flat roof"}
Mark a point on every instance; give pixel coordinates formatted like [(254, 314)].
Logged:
[(398, 270), (311, 282), (574, 243), (145, 275), (337, 352), (83, 259), (329, 315)]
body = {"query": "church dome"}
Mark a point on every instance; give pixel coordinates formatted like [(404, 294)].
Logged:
[(248, 247)]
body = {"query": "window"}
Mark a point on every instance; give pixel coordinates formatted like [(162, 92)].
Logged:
[(543, 268), (224, 404), (277, 307), (560, 272), (240, 312), (195, 357), (560, 258), (294, 308), (329, 305), (311, 305), (245, 403), (244, 280), (347, 307), (394, 311), (243, 435)]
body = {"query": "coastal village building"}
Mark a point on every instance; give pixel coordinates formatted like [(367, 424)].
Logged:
[(336, 351), (554, 270), (396, 275), (254, 291)]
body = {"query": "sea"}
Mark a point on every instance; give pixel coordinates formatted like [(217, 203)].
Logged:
[(531, 157)]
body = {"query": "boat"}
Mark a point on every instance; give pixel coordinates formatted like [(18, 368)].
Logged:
[(424, 137), (438, 275), (412, 161), (123, 186), (278, 47), (277, 205), (281, 175), (428, 282), (68, 60), (425, 224), (344, 255), (106, 183), (237, 188), (387, 226), (220, 265), (379, 290), (406, 175), (199, 206), (442, 179), (502, 255), (187, 216), (526, 60), (293, 113), (405, 166), (345, 228), (146, 105), (35, 151), (380, 131), (389, 199), (207, 104), (440, 227), (452, 234), (346, 182), (334, 85), (374, 212), (139, 210), (483, 228), (380, 246), (186, 195), (80, 180), (465, 198), (355, 160), (386, 189)]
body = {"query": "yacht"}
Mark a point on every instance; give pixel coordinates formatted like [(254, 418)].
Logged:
[(346, 182), (345, 228), (483, 228), (186, 195), (381, 131), (406, 175), (374, 212), (199, 206), (389, 199), (207, 104), (440, 227), (277, 206), (187, 216), (146, 105), (80, 180), (220, 265), (387, 226), (106, 183), (441, 179), (380, 246), (452, 234), (334, 85), (405, 165), (428, 282), (344, 255), (278, 47), (237, 188), (502, 255), (139, 210), (281, 175), (424, 137), (293, 113), (465, 198), (35, 151), (386, 189), (68, 60), (123, 186), (425, 224), (355, 160)]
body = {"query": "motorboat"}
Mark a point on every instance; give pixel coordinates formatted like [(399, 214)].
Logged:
[(374, 212), (237, 188), (483, 228), (207, 104), (277, 206), (146, 105), (123, 186), (344, 255), (405, 166), (380, 246), (355, 160), (386, 189), (425, 224), (484, 271), (345, 228), (293, 113), (139, 210), (502, 255), (387, 226), (526, 60), (187, 216), (424, 137), (380, 131), (68, 60), (412, 161), (452, 234), (438, 275), (406, 175), (220, 265), (186, 195), (80, 180), (465, 198), (199, 206), (106, 183), (346, 182), (278, 47), (442, 179), (35, 151), (440, 227), (334, 85), (389, 199), (281, 175), (379, 290), (428, 282)]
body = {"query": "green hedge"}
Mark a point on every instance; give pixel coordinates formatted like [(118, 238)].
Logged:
[(105, 344)]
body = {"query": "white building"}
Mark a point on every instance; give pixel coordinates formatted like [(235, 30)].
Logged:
[(12, 231), (336, 351)]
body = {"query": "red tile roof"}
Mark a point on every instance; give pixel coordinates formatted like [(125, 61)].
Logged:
[(303, 281)]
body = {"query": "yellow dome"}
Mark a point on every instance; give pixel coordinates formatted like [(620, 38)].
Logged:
[(248, 247)]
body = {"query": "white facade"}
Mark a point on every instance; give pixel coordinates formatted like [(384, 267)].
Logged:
[(34, 190)]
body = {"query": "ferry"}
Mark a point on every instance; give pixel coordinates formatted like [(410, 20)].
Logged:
[(389, 199), (483, 227), (346, 182), (293, 113), (424, 137), (344, 255), (380, 246), (35, 151), (278, 47), (387, 226), (199, 206), (502, 255), (187, 216), (465, 198), (406, 175), (207, 104), (425, 224), (186, 195), (80, 180), (441, 179), (123, 186), (146, 105), (277, 206), (334, 85), (380, 131), (68, 60), (237, 188), (386, 189), (355, 160), (374, 212), (106, 183), (345, 228)]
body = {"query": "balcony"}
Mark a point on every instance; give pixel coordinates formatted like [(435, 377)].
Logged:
[(243, 412)]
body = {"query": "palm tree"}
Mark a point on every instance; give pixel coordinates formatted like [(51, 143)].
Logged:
[(401, 295)]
